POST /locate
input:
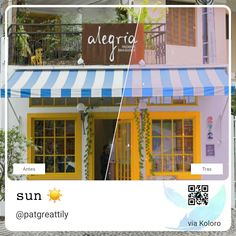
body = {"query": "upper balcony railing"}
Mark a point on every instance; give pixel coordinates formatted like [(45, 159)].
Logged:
[(61, 44)]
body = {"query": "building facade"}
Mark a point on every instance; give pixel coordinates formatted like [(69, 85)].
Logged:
[(67, 97)]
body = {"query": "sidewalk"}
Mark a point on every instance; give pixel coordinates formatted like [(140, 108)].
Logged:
[(232, 231)]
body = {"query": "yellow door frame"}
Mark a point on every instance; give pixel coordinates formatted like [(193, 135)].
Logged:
[(134, 145), (78, 139), (195, 116)]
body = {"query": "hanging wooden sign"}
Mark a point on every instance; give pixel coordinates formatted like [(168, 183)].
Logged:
[(112, 44)]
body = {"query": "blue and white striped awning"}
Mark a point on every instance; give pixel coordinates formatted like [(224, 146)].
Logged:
[(138, 82)]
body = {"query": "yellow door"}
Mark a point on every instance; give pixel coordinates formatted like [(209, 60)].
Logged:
[(122, 160)]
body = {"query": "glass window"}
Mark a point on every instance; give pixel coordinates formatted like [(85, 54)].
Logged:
[(54, 144), (175, 100), (166, 100), (172, 145)]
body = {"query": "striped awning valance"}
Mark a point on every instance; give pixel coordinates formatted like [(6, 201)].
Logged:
[(141, 82)]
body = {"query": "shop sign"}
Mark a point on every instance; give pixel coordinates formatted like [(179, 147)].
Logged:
[(109, 44), (210, 150), (209, 127)]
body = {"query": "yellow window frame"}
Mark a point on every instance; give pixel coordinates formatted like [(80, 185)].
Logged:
[(78, 139), (195, 116)]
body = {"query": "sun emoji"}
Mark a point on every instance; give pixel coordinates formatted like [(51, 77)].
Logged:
[(54, 195)]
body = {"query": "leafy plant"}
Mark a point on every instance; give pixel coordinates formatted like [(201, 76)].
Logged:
[(140, 129), (147, 128), (233, 102), (121, 15), (89, 141), (17, 144), (22, 42), (143, 17), (146, 16)]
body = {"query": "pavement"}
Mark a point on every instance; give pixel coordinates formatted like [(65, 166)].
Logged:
[(231, 232)]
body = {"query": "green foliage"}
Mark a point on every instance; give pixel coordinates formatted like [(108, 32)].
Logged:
[(147, 135), (121, 15), (22, 42), (89, 141), (233, 102), (141, 17), (143, 126), (140, 129), (17, 144)]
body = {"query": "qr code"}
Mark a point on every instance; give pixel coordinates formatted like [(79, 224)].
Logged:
[(197, 195)]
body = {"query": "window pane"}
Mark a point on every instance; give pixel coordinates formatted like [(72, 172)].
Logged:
[(188, 145), (157, 164), (188, 127), (117, 101), (95, 101), (60, 163), (166, 127), (60, 101), (156, 145), (178, 145), (131, 101), (106, 101), (38, 146), (155, 100), (178, 100), (70, 164), (143, 100), (166, 100), (178, 163), (38, 128), (49, 128), (167, 163), (70, 128), (49, 164), (71, 101), (70, 146), (38, 159), (190, 100), (36, 101), (178, 129), (48, 101), (59, 146), (49, 146), (85, 101), (187, 163), (167, 145), (59, 127), (156, 128)]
